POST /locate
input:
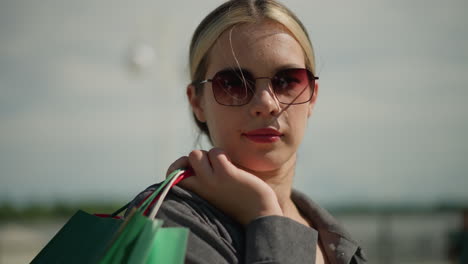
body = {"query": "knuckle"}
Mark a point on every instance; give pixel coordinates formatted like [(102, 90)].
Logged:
[(214, 153), (193, 154), (170, 168), (178, 164), (181, 161)]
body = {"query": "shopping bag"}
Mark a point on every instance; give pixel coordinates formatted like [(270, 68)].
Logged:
[(142, 239), (169, 246), (87, 238), (83, 239)]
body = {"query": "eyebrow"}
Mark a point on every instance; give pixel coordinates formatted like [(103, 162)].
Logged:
[(277, 69), (290, 66)]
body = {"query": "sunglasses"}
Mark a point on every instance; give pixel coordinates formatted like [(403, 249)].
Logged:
[(237, 87)]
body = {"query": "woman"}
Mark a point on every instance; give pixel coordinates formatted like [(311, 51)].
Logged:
[(253, 89)]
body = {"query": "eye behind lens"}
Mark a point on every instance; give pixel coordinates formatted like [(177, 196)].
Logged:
[(232, 88)]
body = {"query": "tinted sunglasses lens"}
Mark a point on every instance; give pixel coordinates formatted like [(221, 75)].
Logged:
[(293, 86), (232, 87)]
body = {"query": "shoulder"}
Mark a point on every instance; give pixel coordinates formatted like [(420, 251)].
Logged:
[(185, 208), (212, 234)]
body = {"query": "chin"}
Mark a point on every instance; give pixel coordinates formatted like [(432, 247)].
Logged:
[(260, 162)]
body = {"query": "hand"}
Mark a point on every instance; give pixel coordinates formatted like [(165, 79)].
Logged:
[(239, 194)]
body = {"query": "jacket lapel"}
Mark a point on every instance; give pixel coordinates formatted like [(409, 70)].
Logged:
[(336, 241)]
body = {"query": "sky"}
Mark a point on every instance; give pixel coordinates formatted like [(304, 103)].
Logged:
[(93, 107)]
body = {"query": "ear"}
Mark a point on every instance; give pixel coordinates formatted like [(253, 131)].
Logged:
[(313, 100), (196, 103)]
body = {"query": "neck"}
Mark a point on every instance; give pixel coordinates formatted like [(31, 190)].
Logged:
[(281, 180)]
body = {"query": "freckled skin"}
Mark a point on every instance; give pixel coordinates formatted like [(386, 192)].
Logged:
[(262, 49)]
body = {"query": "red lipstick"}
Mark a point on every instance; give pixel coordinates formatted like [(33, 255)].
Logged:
[(263, 135)]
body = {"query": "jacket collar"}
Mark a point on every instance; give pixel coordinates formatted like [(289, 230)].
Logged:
[(337, 243)]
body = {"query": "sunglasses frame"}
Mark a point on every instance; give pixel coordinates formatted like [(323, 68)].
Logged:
[(254, 81)]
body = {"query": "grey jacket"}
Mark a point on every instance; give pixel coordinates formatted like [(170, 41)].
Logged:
[(216, 238)]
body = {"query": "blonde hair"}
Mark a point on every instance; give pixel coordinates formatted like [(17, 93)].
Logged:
[(236, 12)]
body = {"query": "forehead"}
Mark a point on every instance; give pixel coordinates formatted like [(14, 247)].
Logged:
[(259, 47)]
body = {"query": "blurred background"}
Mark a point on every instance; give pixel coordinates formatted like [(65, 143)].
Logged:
[(93, 110)]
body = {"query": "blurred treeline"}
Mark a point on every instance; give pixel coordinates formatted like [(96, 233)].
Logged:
[(10, 212)]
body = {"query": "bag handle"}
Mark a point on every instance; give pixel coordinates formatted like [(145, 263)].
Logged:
[(160, 194), (150, 198), (161, 197), (174, 178), (147, 199), (114, 214)]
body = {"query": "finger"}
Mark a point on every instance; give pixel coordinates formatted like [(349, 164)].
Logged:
[(219, 160), (180, 163), (191, 184), (200, 163)]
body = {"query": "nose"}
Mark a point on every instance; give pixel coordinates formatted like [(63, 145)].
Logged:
[(264, 102)]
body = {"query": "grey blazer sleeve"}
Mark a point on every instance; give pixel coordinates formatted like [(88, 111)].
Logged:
[(271, 239), (277, 239)]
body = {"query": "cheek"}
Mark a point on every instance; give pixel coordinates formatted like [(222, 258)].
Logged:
[(297, 122), (221, 124)]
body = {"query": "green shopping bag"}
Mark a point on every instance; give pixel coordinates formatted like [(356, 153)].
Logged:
[(142, 239), (89, 238), (83, 239), (169, 246)]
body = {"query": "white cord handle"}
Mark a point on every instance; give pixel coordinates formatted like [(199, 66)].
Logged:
[(156, 207)]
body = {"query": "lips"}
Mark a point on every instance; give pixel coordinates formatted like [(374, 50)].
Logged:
[(263, 135)]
